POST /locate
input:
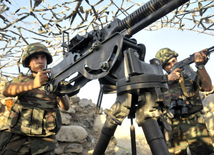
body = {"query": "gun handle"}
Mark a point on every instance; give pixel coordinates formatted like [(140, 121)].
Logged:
[(66, 102)]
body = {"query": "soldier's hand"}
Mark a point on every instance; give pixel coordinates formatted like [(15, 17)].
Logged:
[(174, 75), (41, 78), (200, 58)]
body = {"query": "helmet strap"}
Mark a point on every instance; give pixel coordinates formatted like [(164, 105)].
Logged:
[(34, 71)]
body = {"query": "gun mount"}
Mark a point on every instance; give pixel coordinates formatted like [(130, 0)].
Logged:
[(115, 59)]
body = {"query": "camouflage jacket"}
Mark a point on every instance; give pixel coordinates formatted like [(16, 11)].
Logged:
[(175, 92), (35, 113)]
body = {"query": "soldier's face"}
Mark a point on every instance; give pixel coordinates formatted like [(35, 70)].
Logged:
[(170, 63), (38, 62)]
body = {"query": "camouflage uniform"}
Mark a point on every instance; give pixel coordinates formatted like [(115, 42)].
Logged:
[(33, 122), (188, 129)]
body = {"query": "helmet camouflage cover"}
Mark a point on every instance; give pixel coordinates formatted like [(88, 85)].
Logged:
[(164, 55), (35, 48)]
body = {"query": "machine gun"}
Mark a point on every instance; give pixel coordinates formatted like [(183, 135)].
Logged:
[(184, 64), (115, 59)]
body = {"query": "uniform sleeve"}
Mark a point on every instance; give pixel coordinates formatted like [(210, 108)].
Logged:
[(15, 80), (18, 80)]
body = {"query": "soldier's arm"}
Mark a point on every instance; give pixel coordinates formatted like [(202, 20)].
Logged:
[(206, 83), (64, 102), (15, 89)]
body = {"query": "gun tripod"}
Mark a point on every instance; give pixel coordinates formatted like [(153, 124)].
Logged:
[(140, 95)]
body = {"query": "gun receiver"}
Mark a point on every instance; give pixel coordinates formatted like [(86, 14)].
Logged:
[(184, 64)]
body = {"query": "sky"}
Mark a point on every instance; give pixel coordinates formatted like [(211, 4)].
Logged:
[(183, 42)]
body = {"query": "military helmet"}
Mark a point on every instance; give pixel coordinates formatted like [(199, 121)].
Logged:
[(164, 55), (35, 48)]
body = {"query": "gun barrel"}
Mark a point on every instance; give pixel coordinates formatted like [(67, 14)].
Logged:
[(208, 51), (211, 49), (147, 14), (141, 13)]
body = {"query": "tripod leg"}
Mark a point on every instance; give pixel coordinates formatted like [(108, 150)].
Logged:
[(154, 137), (118, 112), (133, 140), (147, 119), (106, 134)]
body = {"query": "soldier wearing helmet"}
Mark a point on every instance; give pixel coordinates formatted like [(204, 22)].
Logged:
[(33, 49), (34, 118), (165, 54), (185, 105)]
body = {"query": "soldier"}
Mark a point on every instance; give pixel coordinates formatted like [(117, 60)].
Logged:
[(34, 119), (188, 126)]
